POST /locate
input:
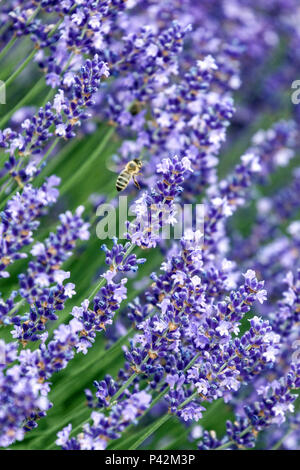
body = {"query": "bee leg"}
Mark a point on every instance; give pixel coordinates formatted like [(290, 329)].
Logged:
[(136, 182)]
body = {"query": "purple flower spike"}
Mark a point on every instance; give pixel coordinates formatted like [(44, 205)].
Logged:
[(18, 220)]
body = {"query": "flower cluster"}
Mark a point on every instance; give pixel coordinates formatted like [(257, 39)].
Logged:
[(183, 319), (21, 395), (97, 435), (59, 118), (156, 210), (18, 220), (42, 285), (275, 402)]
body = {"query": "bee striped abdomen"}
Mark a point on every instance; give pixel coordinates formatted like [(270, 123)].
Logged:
[(123, 180)]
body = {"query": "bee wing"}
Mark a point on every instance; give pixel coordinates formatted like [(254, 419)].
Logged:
[(114, 164)]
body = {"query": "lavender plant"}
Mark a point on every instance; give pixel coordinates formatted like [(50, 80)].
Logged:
[(175, 321)]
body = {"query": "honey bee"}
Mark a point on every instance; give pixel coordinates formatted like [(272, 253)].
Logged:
[(130, 171)]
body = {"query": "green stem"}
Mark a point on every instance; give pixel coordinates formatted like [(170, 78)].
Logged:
[(81, 415), (8, 46), (32, 54), (75, 178), (49, 151), (2, 192), (212, 409), (162, 420), (125, 385), (123, 388), (230, 443), (103, 280), (107, 357), (278, 444), (4, 201), (12, 193), (96, 289), (32, 93), (113, 398), (17, 306), (52, 165), (27, 98), (20, 68), (124, 443)]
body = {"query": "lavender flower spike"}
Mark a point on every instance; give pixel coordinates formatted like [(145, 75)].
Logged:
[(18, 220)]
